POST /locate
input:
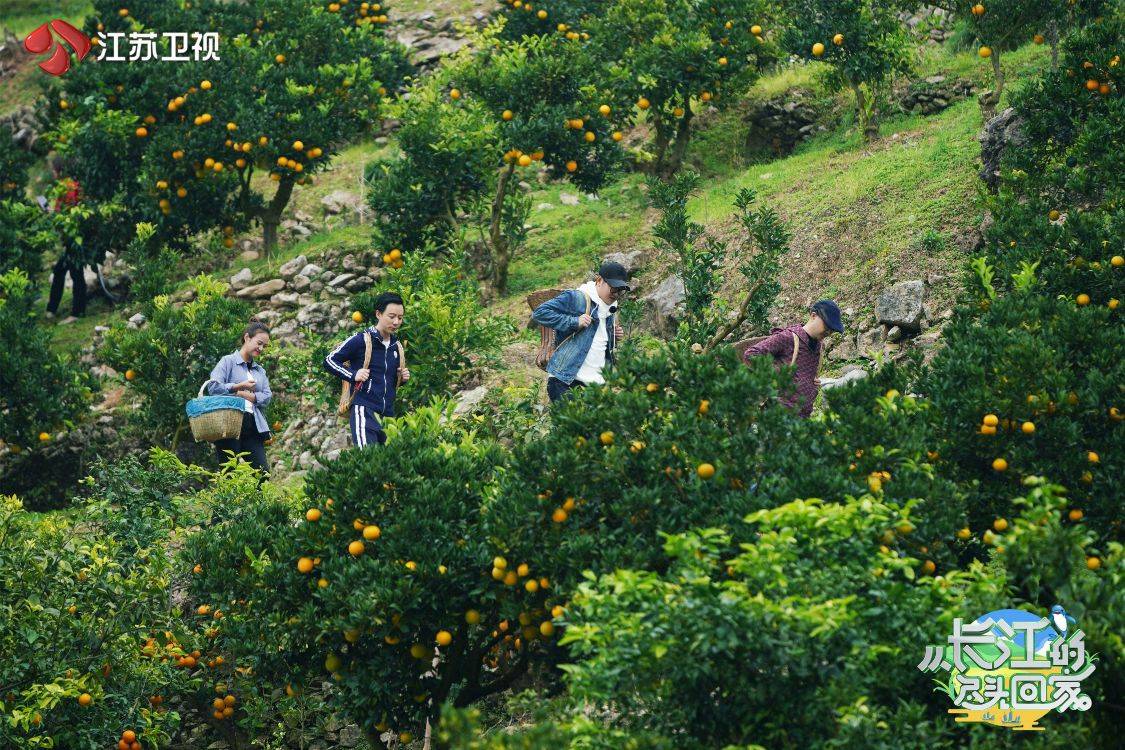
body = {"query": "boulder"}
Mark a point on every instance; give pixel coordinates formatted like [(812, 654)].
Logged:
[(300, 283), (241, 280), (291, 268), (632, 260), (341, 202), (568, 199), (340, 280), (902, 305), (469, 400), (664, 305), (1000, 133), (137, 320), (311, 270), (285, 299), (262, 291)]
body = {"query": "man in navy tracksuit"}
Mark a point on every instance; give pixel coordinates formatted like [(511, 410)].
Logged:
[(373, 387)]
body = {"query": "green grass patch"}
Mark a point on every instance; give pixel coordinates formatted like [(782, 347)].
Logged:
[(22, 16)]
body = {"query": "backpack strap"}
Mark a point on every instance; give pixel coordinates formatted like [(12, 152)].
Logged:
[(796, 348), (401, 362), (347, 393)]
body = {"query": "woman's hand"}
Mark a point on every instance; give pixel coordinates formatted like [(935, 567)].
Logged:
[(404, 373), (361, 375), (245, 385), (618, 331), (248, 395)]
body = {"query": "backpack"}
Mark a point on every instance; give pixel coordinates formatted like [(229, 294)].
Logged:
[(740, 347), (547, 345), (346, 393)]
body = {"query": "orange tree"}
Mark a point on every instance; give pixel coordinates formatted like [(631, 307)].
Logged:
[(97, 592), (681, 440), (42, 394), (25, 235), (381, 583), (816, 611), (1000, 26), (863, 42), (472, 129), (293, 83), (14, 163), (670, 57), (562, 17), (1032, 377)]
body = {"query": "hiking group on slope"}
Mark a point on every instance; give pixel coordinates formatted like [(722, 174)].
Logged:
[(580, 336)]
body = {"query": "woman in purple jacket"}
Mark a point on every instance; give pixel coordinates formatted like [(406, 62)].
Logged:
[(239, 374)]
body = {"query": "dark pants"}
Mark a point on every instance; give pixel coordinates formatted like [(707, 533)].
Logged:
[(366, 428), (58, 281), (249, 441), (557, 390)]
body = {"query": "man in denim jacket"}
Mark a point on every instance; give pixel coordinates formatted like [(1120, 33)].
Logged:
[(584, 342)]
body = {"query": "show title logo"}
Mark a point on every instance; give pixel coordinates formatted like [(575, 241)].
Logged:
[(1010, 668)]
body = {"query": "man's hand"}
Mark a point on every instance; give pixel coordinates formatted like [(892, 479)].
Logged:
[(361, 375), (584, 320), (816, 382), (248, 395), (618, 331), (404, 373)]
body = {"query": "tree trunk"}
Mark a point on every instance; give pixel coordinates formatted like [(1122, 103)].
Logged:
[(988, 100), (1053, 40), (867, 124), (271, 214), (679, 146), (662, 139), (497, 276)]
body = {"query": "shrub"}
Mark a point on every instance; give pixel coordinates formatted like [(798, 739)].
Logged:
[(370, 617), (41, 393), (14, 163), (25, 235), (707, 318), (174, 352), (88, 615), (447, 335)]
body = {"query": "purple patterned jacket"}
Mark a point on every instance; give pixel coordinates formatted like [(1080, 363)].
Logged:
[(779, 345)]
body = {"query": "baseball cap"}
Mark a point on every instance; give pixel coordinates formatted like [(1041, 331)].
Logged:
[(829, 312), (614, 274)]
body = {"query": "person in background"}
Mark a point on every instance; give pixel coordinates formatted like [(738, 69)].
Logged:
[(72, 260), (372, 387), (585, 329), (824, 321), (239, 374)]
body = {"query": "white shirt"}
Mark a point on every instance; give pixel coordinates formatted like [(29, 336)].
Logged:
[(591, 369)]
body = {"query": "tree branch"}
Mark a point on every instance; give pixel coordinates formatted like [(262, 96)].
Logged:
[(727, 328)]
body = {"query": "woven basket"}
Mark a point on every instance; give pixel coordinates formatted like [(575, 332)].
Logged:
[(535, 299), (219, 424)]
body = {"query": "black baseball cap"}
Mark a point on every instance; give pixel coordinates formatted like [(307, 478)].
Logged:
[(829, 312), (614, 274)]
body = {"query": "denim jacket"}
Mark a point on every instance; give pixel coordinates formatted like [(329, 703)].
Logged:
[(232, 370), (572, 343)]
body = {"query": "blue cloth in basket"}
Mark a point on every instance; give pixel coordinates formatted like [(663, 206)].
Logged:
[(205, 404)]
